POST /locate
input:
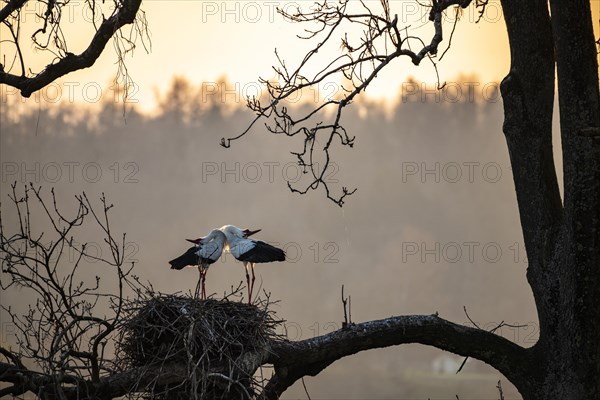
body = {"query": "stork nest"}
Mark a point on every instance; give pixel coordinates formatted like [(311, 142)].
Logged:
[(213, 338)]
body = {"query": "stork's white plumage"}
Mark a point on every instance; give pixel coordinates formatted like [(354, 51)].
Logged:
[(249, 251), (206, 251)]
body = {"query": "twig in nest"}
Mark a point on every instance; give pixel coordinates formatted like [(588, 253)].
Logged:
[(347, 303)]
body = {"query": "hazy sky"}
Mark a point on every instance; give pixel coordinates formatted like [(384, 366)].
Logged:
[(237, 39), (206, 40)]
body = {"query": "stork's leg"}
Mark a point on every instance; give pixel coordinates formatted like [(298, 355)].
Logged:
[(199, 285), (252, 283), (203, 284), (248, 283)]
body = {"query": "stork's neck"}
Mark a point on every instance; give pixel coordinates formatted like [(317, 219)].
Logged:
[(237, 245), (233, 240), (216, 236)]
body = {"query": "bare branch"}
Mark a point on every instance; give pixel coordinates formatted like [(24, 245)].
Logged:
[(358, 65), (61, 333), (124, 13), (10, 7)]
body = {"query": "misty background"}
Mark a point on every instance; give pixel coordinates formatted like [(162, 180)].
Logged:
[(433, 226)]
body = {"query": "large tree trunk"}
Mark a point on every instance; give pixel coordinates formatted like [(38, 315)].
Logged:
[(577, 341), (562, 242)]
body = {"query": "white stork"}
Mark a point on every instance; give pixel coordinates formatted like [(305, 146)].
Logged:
[(250, 251), (206, 251)]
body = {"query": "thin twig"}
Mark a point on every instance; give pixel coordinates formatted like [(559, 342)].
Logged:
[(357, 65), (305, 389)]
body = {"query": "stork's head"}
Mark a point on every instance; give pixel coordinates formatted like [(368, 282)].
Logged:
[(235, 231), (248, 232), (214, 234)]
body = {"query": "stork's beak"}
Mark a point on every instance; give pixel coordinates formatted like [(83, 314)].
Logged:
[(195, 241), (248, 232)]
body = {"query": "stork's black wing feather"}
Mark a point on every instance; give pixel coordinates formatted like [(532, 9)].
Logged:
[(263, 252), (188, 258)]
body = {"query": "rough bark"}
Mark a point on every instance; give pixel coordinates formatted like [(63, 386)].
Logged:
[(562, 242), (578, 269), (528, 94)]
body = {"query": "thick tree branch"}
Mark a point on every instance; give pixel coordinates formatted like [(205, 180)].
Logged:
[(71, 62), (108, 387), (141, 379), (293, 360), (11, 6), (528, 93)]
